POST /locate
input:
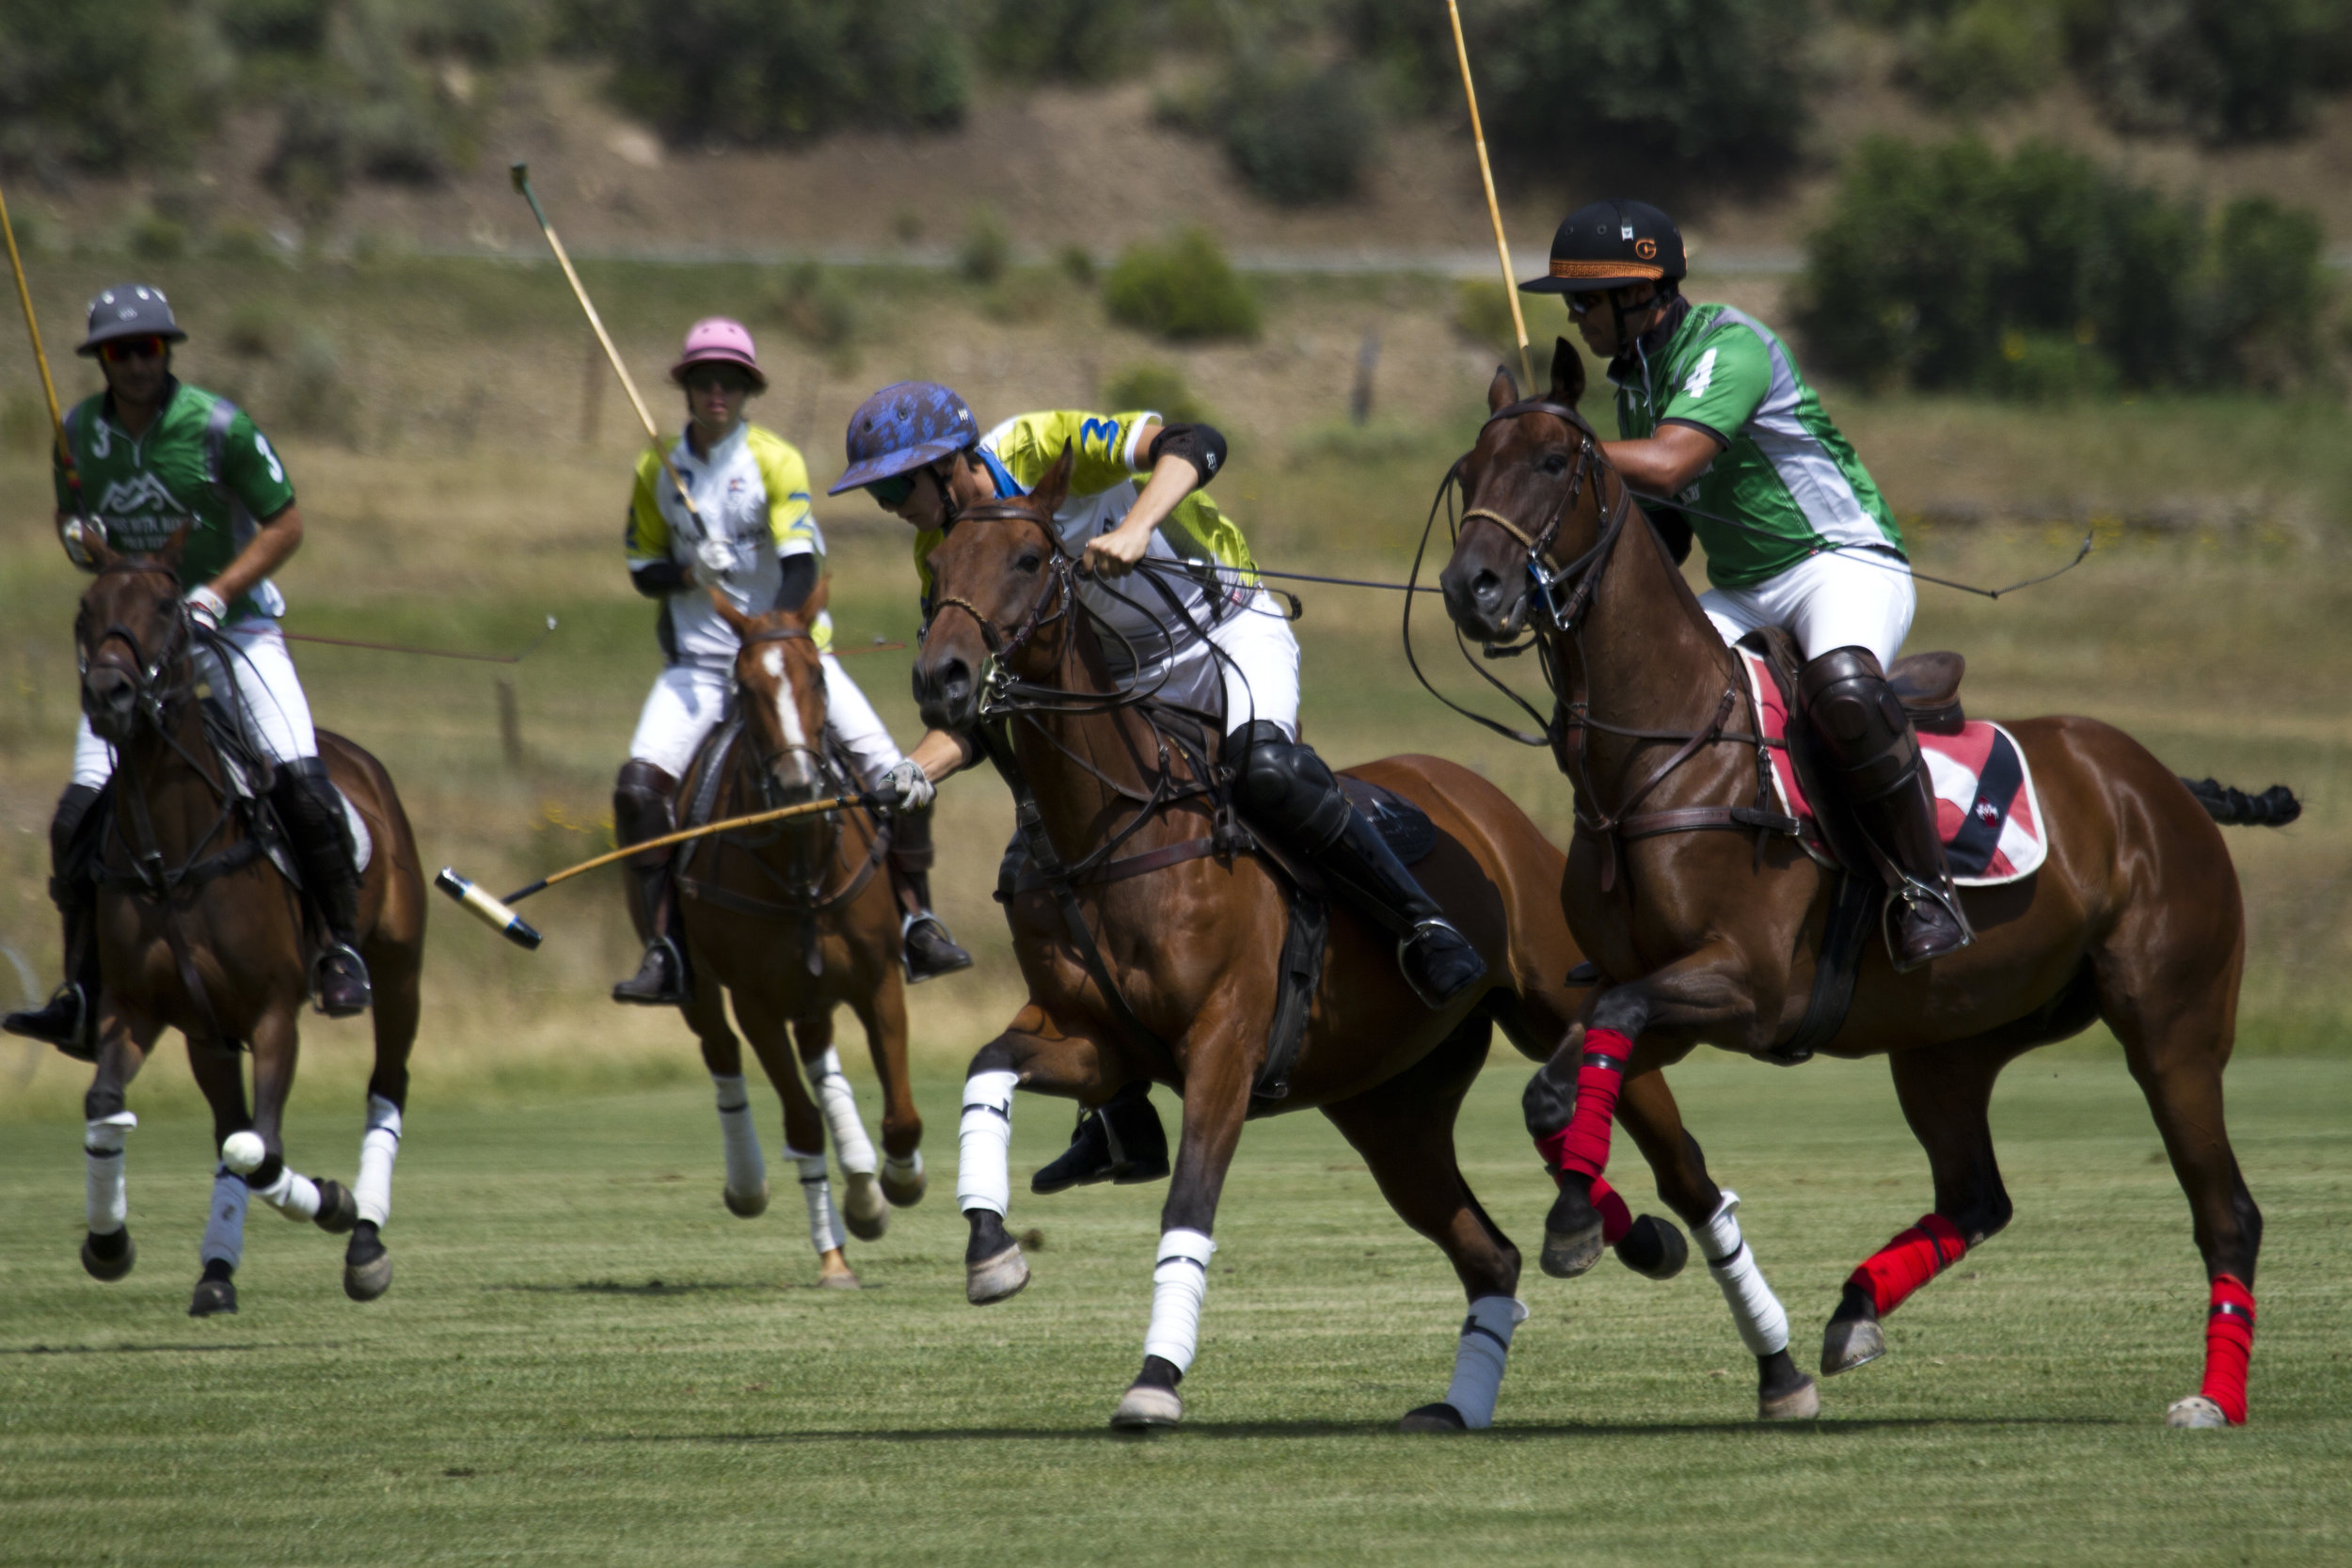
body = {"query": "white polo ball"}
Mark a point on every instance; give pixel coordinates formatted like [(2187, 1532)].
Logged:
[(244, 1152)]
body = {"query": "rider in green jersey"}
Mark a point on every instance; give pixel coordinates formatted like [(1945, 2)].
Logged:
[(152, 458), (1715, 416)]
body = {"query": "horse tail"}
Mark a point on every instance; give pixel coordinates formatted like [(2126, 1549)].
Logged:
[(2274, 807)]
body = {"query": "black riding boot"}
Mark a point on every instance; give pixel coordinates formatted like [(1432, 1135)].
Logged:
[(1284, 790), (69, 1020), (640, 809), (1122, 1142), (312, 812), (930, 951), (1872, 759)]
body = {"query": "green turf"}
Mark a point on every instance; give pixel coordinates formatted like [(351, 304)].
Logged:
[(584, 1359)]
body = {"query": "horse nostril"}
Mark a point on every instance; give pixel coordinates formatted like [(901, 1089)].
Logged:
[(1485, 588)]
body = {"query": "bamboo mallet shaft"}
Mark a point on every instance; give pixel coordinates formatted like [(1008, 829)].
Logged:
[(1494, 208)]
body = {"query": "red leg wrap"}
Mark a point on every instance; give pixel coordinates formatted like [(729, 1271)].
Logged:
[(1615, 1218), (2229, 1346), (1909, 1262), (1583, 1144)]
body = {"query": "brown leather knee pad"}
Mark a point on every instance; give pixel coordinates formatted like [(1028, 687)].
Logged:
[(911, 851), (1858, 723), (642, 797)]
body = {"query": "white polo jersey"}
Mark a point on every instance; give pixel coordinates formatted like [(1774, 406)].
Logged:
[(753, 493)]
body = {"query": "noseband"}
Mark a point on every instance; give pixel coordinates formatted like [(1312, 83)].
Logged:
[(147, 674), (1582, 575)]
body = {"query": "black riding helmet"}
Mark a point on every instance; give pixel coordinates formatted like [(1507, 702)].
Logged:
[(1612, 244)]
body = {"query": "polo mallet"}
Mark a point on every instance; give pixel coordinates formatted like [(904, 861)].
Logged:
[(521, 173), (49, 388), (498, 915), (1494, 209)]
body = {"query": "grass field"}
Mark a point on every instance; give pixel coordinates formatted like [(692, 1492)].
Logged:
[(584, 1359)]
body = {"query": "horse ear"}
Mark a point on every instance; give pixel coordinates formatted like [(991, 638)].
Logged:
[(727, 612), (174, 548), (1502, 391), (102, 555), (1568, 373), (1055, 486)]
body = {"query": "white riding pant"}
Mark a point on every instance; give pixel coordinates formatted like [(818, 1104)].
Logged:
[(1860, 598), (277, 714), (687, 700), (1260, 665)]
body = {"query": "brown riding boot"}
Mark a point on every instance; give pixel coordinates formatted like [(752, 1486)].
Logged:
[(311, 810), (1872, 759), (641, 799), (930, 952)]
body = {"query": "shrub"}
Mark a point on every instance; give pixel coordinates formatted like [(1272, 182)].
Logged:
[(1951, 267), (2225, 71), (1064, 40), (816, 306), (1182, 288), (1161, 389), (1981, 53), (1077, 265), (987, 247), (1483, 316), (782, 71), (102, 87), (1298, 136), (157, 238)]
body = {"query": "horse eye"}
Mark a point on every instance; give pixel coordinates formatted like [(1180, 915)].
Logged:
[(1028, 564), (1556, 463)]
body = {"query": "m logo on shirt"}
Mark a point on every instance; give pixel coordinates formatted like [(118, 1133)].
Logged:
[(1702, 376), (145, 493)]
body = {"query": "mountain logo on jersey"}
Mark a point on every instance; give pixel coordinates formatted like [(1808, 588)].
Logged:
[(145, 493)]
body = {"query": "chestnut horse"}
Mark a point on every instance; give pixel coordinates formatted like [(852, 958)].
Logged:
[(1186, 939), (794, 920), (1713, 938), (198, 930)]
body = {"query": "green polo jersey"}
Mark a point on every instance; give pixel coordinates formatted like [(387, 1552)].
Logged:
[(1784, 472), (200, 464)]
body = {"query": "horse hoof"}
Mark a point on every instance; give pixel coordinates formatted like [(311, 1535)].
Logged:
[(109, 1257), (865, 1209), (995, 1278), (2194, 1413), (366, 1265), (1433, 1418), (214, 1295), (1801, 1403), (338, 1210), (1565, 1256), (904, 1192), (1148, 1409), (845, 1280), (1847, 1345), (744, 1206), (1653, 1248)]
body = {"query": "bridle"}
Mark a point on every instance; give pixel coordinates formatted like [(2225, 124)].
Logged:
[(770, 755), (1571, 724), (147, 674)]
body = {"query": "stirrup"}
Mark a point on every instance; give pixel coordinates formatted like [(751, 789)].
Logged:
[(76, 1040), (678, 994), (954, 958), (356, 971), (1911, 895), (1438, 926)]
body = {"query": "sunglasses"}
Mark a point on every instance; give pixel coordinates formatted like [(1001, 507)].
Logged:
[(122, 349), (892, 492), (726, 381)]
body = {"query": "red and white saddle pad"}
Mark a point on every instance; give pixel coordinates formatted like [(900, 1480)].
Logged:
[(1985, 806)]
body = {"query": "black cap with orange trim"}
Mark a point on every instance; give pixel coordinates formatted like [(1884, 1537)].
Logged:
[(1611, 245)]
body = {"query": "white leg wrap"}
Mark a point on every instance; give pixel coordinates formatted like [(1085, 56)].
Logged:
[(292, 1196), (1763, 1325), (747, 1170), (224, 1223), (839, 1103), (984, 1143), (1180, 1282), (379, 1147), (1479, 1360), (824, 1234), (904, 1170), (106, 1198)]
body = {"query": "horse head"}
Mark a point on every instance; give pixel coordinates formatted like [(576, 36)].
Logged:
[(1000, 600), (781, 678), (132, 634), (1532, 490)]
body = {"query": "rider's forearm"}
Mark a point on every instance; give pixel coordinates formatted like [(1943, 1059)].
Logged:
[(1172, 479), (1663, 464), (941, 753), (272, 546)]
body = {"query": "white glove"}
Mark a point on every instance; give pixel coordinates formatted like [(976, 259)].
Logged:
[(907, 788), (78, 534), (716, 559), (206, 607)]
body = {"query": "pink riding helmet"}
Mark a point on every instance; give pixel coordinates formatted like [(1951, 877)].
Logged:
[(717, 340)]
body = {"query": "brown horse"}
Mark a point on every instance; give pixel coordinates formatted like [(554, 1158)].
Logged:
[(198, 930), (1712, 937), (1176, 977), (794, 920)]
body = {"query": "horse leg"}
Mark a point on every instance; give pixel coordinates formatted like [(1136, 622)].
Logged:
[(2177, 1046), (1945, 1091), (219, 1072), (1025, 1056), (108, 1251), (804, 1134), (863, 1207), (1647, 1109), (746, 1190), (275, 1041), (885, 1018), (367, 1262), (1405, 1131)]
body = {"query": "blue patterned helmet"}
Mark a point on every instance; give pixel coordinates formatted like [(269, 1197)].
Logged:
[(905, 426)]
